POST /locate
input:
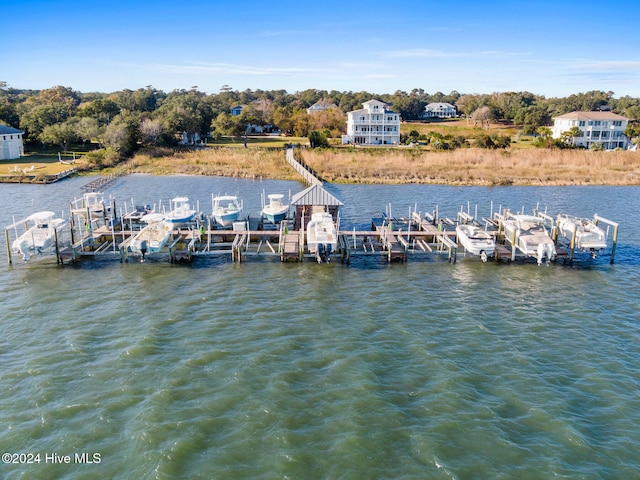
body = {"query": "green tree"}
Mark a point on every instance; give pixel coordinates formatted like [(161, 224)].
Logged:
[(88, 129), (318, 139), (570, 135), (47, 107), (59, 134), (226, 124)]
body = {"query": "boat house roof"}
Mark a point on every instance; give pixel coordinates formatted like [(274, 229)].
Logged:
[(315, 195)]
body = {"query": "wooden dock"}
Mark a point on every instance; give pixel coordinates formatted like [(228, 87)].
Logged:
[(393, 239)]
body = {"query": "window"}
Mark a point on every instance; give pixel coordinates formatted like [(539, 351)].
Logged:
[(617, 123), (595, 134), (605, 134), (581, 123)]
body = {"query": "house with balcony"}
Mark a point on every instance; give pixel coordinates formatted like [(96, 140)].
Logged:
[(375, 124), (605, 128), (439, 110), (11, 145)]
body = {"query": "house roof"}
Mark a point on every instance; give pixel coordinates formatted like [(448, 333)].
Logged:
[(5, 130), (577, 115), (435, 105), (315, 195), (385, 107), (323, 104)]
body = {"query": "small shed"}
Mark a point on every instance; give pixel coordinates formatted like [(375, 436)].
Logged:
[(11, 145), (313, 199)]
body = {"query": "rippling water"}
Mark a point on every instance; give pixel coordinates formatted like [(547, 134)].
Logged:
[(267, 370)]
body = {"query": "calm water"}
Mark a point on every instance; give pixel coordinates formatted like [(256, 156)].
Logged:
[(300, 371)]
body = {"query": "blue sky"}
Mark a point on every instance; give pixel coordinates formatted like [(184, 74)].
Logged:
[(551, 48)]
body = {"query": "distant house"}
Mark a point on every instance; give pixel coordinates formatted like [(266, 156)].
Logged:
[(11, 145), (439, 110), (375, 124), (237, 110), (320, 105), (604, 128)]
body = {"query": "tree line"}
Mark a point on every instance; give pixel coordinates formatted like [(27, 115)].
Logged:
[(123, 121)]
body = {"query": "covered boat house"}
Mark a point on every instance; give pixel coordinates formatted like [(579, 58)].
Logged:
[(313, 199)]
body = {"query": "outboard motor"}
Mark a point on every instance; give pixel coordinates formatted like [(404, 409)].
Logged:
[(143, 248)]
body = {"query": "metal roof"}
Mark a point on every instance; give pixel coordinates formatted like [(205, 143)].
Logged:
[(315, 195), (4, 130)]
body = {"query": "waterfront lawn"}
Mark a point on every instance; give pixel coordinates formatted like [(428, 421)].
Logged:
[(35, 165)]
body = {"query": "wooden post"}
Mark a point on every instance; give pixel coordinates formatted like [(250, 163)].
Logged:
[(55, 242), (8, 245), (572, 245), (615, 241)]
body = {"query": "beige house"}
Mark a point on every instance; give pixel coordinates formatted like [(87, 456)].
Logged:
[(440, 110), (374, 124), (605, 128), (11, 145)]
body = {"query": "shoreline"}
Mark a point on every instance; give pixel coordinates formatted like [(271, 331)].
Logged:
[(376, 166)]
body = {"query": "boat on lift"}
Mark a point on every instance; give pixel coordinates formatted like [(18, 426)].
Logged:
[(275, 211), (226, 209), (322, 236), (582, 233), (153, 236), (530, 236), (91, 203), (476, 241), (181, 211), (39, 234)]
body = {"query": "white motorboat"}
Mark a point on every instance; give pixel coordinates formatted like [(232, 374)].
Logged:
[(181, 211), (529, 235), (582, 232), (226, 209), (322, 237), (275, 211), (91, 203), (152, 237), (38, 236), (476, 241)]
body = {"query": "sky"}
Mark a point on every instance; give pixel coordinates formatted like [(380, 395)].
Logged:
[(550, 48)]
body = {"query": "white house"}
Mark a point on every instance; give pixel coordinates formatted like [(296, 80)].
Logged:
[(606, 128), (440, 110), (320, 105), (11, 145), (373, 125)]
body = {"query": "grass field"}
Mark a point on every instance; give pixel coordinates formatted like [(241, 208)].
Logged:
[(32, 164), (473, 166), (264, 157)]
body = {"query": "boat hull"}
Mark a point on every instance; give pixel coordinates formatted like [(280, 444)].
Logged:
[(322, 238), (152, 238), (530, 237), (226, 210), (475, 240), (586, 234)]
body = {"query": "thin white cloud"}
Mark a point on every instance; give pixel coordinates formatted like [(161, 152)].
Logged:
[(430, 53), (227, 68), (606, 65)]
